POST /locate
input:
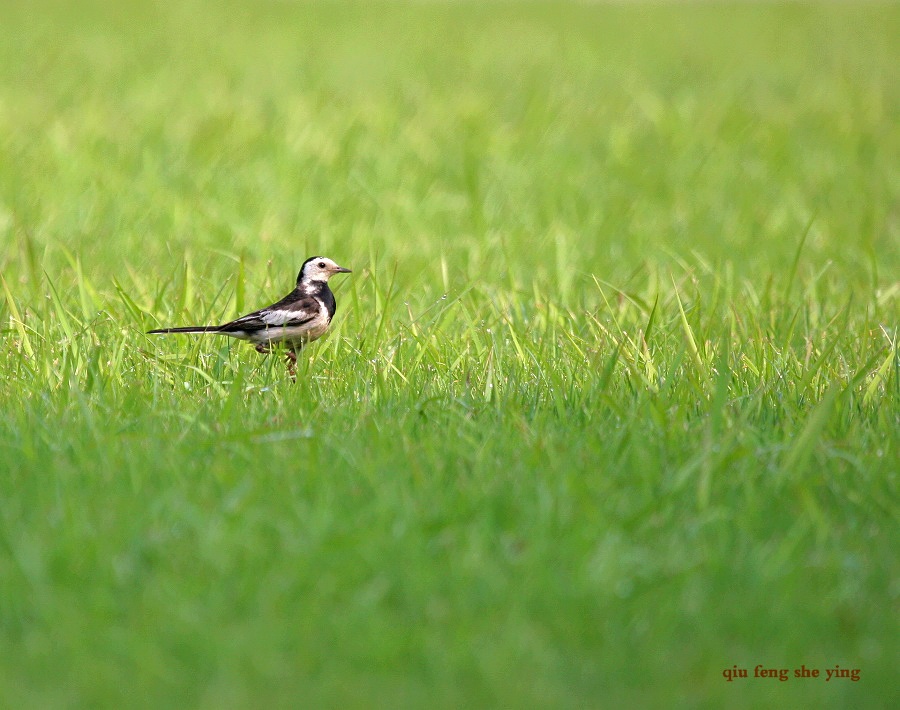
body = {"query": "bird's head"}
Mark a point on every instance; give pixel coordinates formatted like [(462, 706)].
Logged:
[(318, 269)]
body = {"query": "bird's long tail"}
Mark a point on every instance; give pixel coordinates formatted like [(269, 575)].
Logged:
[(189, 329)]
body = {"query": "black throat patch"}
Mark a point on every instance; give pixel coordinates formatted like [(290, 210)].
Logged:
[(320, 291)]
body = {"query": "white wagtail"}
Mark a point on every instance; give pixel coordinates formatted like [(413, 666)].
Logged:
[(297, 319)]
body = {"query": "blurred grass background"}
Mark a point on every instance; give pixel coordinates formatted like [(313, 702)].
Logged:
[(627, 132), (611, 401)]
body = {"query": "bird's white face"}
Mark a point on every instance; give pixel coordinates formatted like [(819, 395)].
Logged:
[(320, 268)]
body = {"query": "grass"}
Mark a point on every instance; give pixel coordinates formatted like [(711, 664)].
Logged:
[(610, 403)]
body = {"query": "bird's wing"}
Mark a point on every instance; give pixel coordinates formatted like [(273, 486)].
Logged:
[(291, 311)]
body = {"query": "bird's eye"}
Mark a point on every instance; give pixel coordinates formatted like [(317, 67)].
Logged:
[(321, 264)]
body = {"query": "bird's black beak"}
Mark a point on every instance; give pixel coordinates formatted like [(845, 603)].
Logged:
[(342, 270)]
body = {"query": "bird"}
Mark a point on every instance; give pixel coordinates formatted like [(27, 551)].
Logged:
[(297, 319)]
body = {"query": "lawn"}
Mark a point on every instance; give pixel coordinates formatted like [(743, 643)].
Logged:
[(609, 405)]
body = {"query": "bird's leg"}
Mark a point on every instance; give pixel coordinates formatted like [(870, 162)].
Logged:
[(292, 364)]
